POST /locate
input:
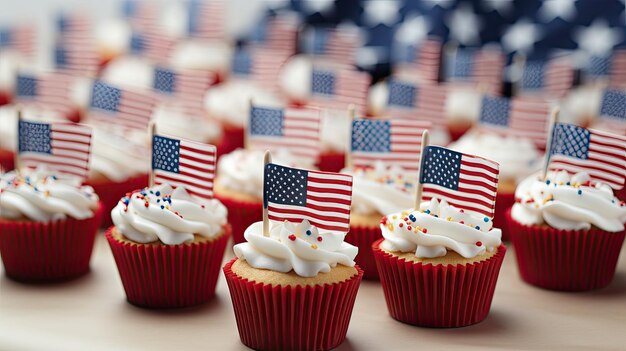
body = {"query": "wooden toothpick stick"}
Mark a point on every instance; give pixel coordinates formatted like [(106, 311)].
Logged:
[(554, 119), (351, 117), (152, 131), (267, 159), (419, 187), (18, 163)]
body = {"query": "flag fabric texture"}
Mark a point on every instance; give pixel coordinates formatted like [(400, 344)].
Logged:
[(125, 108), (464, 181), (407, 100), (338, 88), (183, 89), (482, 68), (181, 162), (551, 79), (48, 92), (294, 194), (62, 147), (22, 39)]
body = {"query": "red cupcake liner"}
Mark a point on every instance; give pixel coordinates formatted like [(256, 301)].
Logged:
[(48, 251), (441, 296), (621, 194), (292, 318), (111, 192), (5, 98), (565, 260), (363, 237), (332, 161), (169, 276), (504, 201), (7, 160), (241, 214), (232, 139)]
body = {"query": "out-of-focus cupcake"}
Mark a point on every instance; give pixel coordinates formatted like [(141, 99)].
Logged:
[(517, 157), (48, 225), (176, 120), (214, 57), (567, 231), (462, 110), (239, 185), (130, 72), (581, 105), (376, 192), (438, 265), (113, 39), (298, 270), (168, 246)]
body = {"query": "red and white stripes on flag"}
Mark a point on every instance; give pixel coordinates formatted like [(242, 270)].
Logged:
[(206, 19), (464, 181), (183, 89), (125, 108), (292, 128), (282, 32), (428, 59), (294, 195), (154, 44), (62, 147), (618, 69), (349, 87), (22, 38), (48, 92), (428, 102), (181, 162), (142, 14), (265, 67), (342, 44), (393, 142)]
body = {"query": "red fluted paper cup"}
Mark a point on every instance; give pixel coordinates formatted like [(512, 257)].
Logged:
[(621, 194), (565, 260), (232, 139), (441, 296), (292, 317), (332, 161), (7, 160), (363, 237), (241, 214), (504, 201), (169, 276), (5, 98), (48, 251), (111, 192)]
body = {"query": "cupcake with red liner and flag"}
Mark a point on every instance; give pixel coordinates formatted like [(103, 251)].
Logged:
[(168, 240), (48, 221), (334, 88), (383, 160), (566, 226), (292, 133), (439, 261), (296, 262)]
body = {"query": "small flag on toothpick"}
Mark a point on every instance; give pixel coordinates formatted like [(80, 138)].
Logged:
[(482, 67), (260, 65), (62, 147), (338, 88), (291, 128), (335, 44), (184, 89), (423, 62), (552, 78), (22, 39), (205, 19), (112, 105), (294, 195), (49, 92), (407, 100), (392, 142)]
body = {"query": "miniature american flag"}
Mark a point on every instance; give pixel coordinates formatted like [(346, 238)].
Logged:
[(427, 59), (75, 28), (295, 129), (49, 92), (521, 117), (336, 89), (294, 195), (185, 89), (77, 58), (601, 154), (62, 147), (480, 67), (618, 69), (409, 101), (613, 111), (141, 14), (111, 105), (393, 142), (465, 181), (554, 77), (22, 39), (278, 32), (152, 43), (337, 44), (186, 163), (206, 19), (260, 65)]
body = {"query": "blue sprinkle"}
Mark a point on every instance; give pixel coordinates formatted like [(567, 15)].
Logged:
[(477, 228), (162, 207), (427, 211), (158, 193), (158, 200), (486, 219), (547, 182), (412, 218), (308, 232), (580, 192), (436, 216), (54, 177), (151, 192), (568, 183)]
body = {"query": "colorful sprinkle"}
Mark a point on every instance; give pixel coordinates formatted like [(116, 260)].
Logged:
[(400, 224), (319, 238), (390, 226), (486, 219), (408, 227), (308, 232), (548, 182), (158, 193), (427, 211), (479, 244), (292, 237), (314, 247), (424, 230), (449, 218), (580, 192), (477, 227), (412, 217), (162, 207)]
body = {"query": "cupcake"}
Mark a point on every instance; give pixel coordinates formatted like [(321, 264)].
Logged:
[(376, 192), (438, 265), (168, 246), (239, 185), (567, 231), (113, 39), (298, 270), (462, 110), (518, 158), (129, 72), (174, 119), (48, 225)]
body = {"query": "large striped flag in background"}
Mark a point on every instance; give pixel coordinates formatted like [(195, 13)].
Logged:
[(407, 100), (613, 111), (62, 147), (291, 128), (112, 105), (553, 78), (186, 163), (601, 154), (22, 39), (392, 142), (184, 89), (464, 181), (48, 91), (294, 194), (482, 68), (519, 117), (338, 88)]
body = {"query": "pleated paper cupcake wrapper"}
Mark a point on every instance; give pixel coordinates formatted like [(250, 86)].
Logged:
[(504, 201), (440, 296), (241, 214), (169, 276), (292, 318), (48, 251), (363, 237), (111, 192), (7, 160), (621, 194), (565, 260), (332, 161), (232, 139)]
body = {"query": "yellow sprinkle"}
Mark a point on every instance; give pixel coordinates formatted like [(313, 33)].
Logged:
[(536, 205), (415, 231), (417, 227), (314, 247), (561, 183), (394, 217), (46, 194), (449, 218), (405, 213), (390, 226)]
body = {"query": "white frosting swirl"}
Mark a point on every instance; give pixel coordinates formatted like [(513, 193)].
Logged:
[(381, 190), (517, 157), (568, 203), (129, 72), (463, 104), (41, 196), (242, 170), (174, 120), (301, 248), (335, 130), (200, 55), (118, 157), (8, 122), (230, 102), (113, 37), (169, 215), (295, 78), (438, 227)]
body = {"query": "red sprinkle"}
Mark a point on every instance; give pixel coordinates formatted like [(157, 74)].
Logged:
[(146, 204), (461, 211), (383, 220), (424, 230), (406, 219), (478, 243), (462, 222), (400, 224), (408, 227), (202, 206), (292, 237), (319, 238)]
